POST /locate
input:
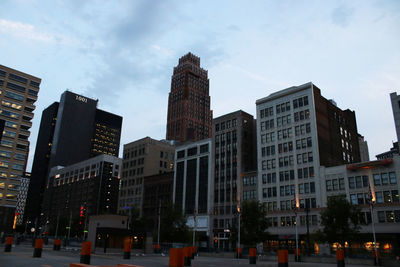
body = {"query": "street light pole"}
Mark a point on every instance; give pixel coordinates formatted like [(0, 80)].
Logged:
[(56, 233), (159, 223), (239, 211)]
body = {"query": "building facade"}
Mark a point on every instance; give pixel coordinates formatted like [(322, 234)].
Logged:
[(18, 94), (89, 187), (189, 113), (21, 197), (71, 131), (234, 142), (298, 131), (142, 158), (354, 181), (363, 144), (395, 100), (157, 196), (193, 186)]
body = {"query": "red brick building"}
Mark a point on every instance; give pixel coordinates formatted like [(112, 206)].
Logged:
[(189, 114)]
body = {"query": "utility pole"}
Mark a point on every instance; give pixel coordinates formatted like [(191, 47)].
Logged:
[(194, 227), (159, 223), (239, 212), (69, 226), (58, 218), (371, 203)]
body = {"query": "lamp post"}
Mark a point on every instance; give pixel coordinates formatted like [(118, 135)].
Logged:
[(239, 211)]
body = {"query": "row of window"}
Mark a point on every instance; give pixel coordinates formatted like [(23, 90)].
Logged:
[(134, 153), (133, 163), (15, 166), (389, 216), (304, 157), (285, 133), (267, 112), (385, 178), (300, 102), (7, 154), (133, 172), (228, 125), (335, 184), (301, 115), (249, 181)]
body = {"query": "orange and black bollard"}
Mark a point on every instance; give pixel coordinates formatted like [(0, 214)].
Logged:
[(252, 256), (187, 254), (9, 241), (157, 248), (85, 252), (297, 254), (176, 258), (127, 249), (340, 257), (238, 253), (283, 258), (377, 259), (57, 244), (37, 252), (193, 251)]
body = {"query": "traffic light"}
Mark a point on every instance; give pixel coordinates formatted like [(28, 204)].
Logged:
[(81, 215)]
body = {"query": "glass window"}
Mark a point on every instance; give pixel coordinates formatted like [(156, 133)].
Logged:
[(385, 178), (341, 184), (395, 195), (352, 184), (387, 197), (353, 199), (392, 178), (365, 181), (389, 216), (358, 182), (381, 216), (379, 197), (377, 179)]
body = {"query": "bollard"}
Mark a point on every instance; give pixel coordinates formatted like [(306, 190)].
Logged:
[(127, 249), (37, 252), (187, 254), (193, 252), (377, 260), (283, 258), (297, 254), (252, 255), (340, 257), (9, 241), (176, 258), (57, 244), (85, 252), (238, 253)]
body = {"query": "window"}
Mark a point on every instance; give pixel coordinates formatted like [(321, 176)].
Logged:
[(353, 199), (392, 178), (352, 184), (384, 178), (381, 216), (328, 185), (377, 179)]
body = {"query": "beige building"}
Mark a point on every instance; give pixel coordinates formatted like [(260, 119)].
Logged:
[(142, 158), (18, 93)]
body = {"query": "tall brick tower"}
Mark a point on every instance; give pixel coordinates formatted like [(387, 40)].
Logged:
[(189, 114)]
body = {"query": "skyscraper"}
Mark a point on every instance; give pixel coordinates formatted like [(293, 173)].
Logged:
[(18, 93), (189, 113), (70, 131)]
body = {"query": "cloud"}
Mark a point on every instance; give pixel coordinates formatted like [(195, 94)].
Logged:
[(30, 33), (341, 16)]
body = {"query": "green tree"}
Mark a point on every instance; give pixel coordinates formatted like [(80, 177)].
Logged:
[(340, 221), (253, 224), (173, 226)]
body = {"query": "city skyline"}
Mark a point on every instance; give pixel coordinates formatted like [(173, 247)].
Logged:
[(346, 49)]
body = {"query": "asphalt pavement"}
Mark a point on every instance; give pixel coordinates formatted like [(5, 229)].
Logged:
[(22, 256)]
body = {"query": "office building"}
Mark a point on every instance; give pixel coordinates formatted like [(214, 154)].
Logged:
[(71, 131), (364, 154), (298, 131), (142, 158), (193, 187), (395, 100), (21, 197), (234, 140), (189, 114), (157, 196), (353, 181), (18, 94), (89, 187)]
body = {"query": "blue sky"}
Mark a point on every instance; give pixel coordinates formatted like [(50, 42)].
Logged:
[(123, 53)]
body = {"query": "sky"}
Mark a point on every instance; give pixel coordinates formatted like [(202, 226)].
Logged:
[(122, 52)]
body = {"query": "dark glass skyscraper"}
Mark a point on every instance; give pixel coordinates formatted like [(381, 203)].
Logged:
[(189, 114), (70, 131)]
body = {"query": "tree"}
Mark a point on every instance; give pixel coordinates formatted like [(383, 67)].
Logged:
[(340, 221), (173, 226), (253, 224)]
